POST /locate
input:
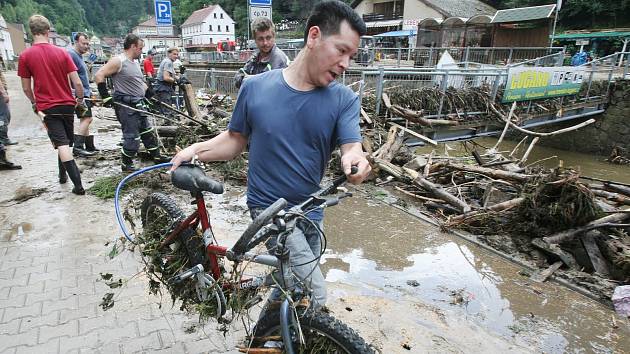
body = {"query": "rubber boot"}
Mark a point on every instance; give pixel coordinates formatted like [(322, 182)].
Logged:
[(75, 176), (157, 158), (6, 164), (79, 147), (127, 164), (63, 177), (89, 144)]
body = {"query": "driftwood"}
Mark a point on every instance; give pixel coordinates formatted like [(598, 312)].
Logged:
[(542, 275), (507, 125), (388, 150), (365, 116), (496, 207), (594, 254), (613, 197), (617, 188), (494, 173), (555, 250), (529, 150), (413, 177), (417, 135), (190, 101), (167, 130), (529, 132), (572, 233), (418, 117)]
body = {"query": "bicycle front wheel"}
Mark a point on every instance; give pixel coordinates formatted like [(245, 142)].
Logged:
[(160, 216), (322, 334)]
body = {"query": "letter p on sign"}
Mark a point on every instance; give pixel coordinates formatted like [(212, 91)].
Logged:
[(163, 12)]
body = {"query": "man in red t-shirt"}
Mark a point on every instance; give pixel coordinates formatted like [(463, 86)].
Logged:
[(44, 69), (147, 64)]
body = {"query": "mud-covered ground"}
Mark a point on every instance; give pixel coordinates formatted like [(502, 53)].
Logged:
[(400, 282)]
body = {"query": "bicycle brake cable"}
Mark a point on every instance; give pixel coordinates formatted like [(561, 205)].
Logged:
[(121, 184)]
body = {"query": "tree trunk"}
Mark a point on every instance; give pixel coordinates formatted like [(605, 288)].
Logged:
[(494, 173), (572, 233), (190, 101)]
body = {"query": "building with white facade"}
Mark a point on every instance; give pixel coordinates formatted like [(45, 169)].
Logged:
[(206, 27), (161, 37), (6, 45)]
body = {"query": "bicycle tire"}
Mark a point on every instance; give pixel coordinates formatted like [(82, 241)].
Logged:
[(241, 245), (319, 329), (193, 244)]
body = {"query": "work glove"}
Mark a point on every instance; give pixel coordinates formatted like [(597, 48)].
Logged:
[(105, 96), (81, 109), (149, 92)]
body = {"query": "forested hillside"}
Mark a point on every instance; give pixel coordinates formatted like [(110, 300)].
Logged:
[(117, 17)]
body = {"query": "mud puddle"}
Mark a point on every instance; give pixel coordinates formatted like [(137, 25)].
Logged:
[(386, 253)]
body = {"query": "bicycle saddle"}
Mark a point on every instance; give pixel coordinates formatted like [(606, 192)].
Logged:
[(192, 178)]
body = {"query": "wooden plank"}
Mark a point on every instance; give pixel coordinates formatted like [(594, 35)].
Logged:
[(541, 276), (594, 253), (417, 135), (365, 116)]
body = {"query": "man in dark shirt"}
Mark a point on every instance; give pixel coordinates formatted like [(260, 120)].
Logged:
[(267, 57)]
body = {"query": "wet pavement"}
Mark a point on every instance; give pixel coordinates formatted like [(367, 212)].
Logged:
[(401, 283)]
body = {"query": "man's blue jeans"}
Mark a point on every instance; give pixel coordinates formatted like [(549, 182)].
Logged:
[(304, 246), (5, 119)]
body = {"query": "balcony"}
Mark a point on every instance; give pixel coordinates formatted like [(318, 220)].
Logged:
[(382, 17)]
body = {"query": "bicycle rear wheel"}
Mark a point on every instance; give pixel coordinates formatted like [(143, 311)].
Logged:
[(322, 333), (160, 216)]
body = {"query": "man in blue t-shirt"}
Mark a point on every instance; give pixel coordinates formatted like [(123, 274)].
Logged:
[(292, 119), (83, 141)]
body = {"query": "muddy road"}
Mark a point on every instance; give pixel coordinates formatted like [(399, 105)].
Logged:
[(400, 282)]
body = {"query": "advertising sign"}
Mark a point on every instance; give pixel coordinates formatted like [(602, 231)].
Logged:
[(534, 83), (163, 16)]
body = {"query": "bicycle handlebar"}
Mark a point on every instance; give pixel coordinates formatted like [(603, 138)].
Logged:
[(243, 244), (240, 246)]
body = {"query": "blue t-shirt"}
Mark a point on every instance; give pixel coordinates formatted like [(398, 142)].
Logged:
[(81, 70), (291, 135)]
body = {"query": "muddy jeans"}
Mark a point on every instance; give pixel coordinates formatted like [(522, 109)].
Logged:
[(304, 247)]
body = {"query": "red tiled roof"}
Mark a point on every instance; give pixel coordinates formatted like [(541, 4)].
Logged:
[(199, 15), (148, 23)]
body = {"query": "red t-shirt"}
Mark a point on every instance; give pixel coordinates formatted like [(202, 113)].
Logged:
[(49, 67), (148, 67)]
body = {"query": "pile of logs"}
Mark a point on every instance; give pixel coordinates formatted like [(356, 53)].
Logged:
[(489, 188)]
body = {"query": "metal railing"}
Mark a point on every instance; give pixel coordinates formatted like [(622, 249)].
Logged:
[(400, 57), (374, 81)]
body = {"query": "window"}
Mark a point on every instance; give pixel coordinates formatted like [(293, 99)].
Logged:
[(227, 28), (219, 28), (210, 28), (215, 15), (222, 15)]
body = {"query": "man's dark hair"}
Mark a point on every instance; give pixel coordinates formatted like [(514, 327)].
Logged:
[(328, 15), (81, 34), (130, 40)]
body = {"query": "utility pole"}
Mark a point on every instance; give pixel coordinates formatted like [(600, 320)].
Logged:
[(555, 21)]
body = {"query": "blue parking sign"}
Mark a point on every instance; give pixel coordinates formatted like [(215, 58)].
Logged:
[(260, 2), (163, 16)]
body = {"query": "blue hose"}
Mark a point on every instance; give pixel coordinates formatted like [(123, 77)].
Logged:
[(119, 218)]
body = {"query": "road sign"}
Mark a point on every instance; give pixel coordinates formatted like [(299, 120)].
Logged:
[(581, 42), (260, 2), (163, 15), (259, 11)]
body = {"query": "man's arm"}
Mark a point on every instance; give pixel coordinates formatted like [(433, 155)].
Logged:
[(223, 147), (352, 155), (28, 89), (112, 67), (78, 86), (167, 75)]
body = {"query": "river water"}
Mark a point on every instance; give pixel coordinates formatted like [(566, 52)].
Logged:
[(385, 252)]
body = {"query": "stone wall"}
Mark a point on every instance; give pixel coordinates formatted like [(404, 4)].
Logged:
[(612, 128)]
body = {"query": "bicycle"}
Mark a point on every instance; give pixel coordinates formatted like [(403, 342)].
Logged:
[(295, 327)]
